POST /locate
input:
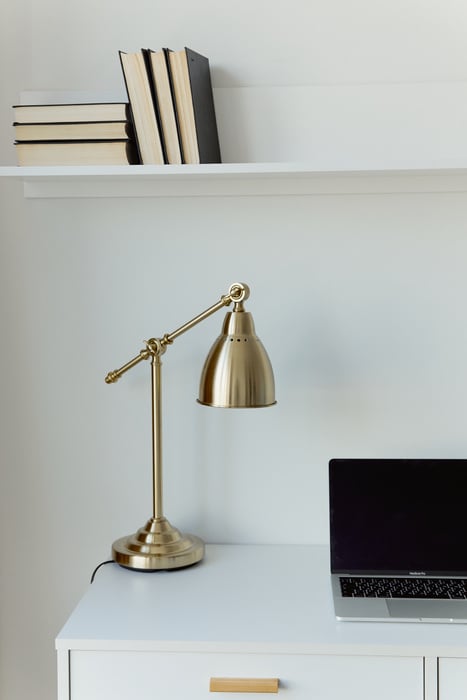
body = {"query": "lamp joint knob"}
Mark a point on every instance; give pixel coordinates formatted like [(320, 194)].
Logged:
[(239, 291)]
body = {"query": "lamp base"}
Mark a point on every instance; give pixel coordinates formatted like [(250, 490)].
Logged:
[(157, 546)]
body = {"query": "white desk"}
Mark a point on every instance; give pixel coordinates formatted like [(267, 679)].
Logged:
[(247, 612)]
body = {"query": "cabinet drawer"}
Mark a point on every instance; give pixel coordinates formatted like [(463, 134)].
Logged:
[(142, 675), (452, 679)]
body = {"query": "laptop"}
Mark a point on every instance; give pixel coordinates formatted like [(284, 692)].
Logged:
[(398, 539)]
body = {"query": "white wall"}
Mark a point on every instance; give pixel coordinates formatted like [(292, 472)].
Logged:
[(359, 299)]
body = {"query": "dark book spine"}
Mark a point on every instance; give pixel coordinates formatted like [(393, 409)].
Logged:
[(203, 107)]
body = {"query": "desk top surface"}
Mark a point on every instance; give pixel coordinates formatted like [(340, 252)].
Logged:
[(271, 598)]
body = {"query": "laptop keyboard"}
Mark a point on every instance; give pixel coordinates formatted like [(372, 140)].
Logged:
[(376, 587)]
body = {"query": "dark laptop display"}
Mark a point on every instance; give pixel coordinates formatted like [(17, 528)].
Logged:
[(398, 516), (398, 530)]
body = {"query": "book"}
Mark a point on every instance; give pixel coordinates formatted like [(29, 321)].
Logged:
[(143, 108), (158, 70), (194, 103), (76, 153), (73, 131), (84, 112)]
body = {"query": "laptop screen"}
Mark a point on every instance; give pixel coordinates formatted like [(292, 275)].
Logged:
[(398, 516)]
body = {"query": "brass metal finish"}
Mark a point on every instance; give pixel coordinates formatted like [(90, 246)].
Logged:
[(114, 376), (157, 545), (237, 372), (237, 358), (244, 685)]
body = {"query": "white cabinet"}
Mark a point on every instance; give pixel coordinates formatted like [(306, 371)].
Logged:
[(452, 679), (247, 612), (145, 675)]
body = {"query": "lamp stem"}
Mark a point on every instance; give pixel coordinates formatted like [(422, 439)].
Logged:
[(156, 435)]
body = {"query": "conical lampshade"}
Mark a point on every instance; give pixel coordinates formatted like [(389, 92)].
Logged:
[(237, 372)]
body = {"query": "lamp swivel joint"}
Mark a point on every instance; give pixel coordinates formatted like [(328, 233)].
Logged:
[(238, 292), (157, 346)]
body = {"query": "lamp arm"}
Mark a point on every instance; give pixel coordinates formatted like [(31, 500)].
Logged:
[(237, 293)]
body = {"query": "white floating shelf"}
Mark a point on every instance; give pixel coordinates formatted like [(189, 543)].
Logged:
[(228, 179)]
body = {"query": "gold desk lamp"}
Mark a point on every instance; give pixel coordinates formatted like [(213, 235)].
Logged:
[(237, 374)]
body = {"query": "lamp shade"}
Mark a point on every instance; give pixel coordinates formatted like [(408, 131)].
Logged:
[(237, 372)]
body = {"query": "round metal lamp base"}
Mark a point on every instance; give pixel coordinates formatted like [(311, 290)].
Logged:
[(157, 546)]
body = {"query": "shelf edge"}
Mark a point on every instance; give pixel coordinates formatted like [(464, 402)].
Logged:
[(255, 179)]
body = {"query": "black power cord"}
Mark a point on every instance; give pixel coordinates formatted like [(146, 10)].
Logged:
[(110, 561)]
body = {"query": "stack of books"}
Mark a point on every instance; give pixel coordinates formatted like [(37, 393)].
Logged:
[(74, 134), (169, 118), (172, 106)]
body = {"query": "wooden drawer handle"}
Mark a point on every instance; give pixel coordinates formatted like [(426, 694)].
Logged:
[(244, 685)]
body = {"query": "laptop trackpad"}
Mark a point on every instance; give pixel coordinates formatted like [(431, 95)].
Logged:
[(428, 609)]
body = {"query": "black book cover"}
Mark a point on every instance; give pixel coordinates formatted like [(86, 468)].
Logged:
[(203, 107)]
